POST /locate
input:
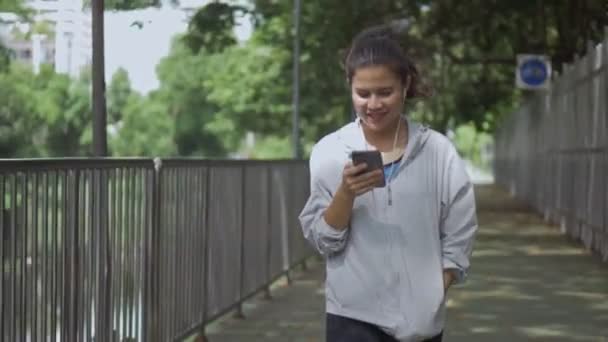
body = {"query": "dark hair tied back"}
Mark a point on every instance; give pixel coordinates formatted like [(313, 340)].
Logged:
[(380, 45)]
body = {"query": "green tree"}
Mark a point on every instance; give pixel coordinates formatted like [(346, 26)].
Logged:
[(15, 6), (64, 113), (145, 129), (250, 92), (181, 76), (269, 147), (42, 114), (467, 52), (478, 43), (252, 82), (118, 94), (5, 58), (18, 119), (139, 125), (210, 28), (471, 143)]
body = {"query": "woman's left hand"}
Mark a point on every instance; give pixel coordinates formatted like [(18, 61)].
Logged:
[(448, 278)]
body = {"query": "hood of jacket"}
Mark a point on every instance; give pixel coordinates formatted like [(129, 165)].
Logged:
[(352, 138)]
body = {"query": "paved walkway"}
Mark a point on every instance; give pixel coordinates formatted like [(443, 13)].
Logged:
[(528, 283)]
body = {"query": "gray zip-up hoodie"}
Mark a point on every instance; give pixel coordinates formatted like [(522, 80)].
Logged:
[(386, 267)]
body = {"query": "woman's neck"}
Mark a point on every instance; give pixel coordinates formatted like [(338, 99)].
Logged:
[(384, 140)]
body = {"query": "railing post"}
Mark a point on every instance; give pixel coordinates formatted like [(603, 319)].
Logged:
[(201, 335), (285, 224), (150, 310), (239, 310), (604, 245), (267, 294), (71, 256), (103, 324), (588, 229), (3, 232)]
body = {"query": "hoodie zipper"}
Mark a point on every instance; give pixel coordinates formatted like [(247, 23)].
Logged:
[(390, 177), (395, 167)]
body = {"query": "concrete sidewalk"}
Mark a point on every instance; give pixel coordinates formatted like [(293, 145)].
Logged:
[(527, 283)]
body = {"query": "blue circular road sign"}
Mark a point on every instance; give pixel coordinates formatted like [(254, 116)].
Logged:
[(533, 72)]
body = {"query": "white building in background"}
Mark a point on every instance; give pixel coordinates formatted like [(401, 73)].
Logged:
[(65, 43), (24, 49)]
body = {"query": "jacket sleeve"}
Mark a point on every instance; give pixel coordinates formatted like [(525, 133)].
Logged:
[(458, 225), (324, 238)]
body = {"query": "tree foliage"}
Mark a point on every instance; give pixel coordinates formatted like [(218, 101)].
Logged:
[(475, 47), (466, 51), (42, 114), (145, 129), (15, 6), (184, 96), (214, 91), (211, 27)]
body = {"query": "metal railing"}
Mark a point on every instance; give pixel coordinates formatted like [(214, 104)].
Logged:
[(553, 152), (141, 249)]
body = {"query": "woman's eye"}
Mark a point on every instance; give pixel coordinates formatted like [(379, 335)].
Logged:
[(367, 94)]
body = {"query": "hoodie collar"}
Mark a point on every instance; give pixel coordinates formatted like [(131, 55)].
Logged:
[(353, 139)]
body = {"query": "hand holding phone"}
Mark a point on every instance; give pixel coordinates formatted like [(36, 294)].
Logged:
[(373, 160), (364, 173)]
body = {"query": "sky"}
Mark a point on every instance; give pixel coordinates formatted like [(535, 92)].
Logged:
[(139, 50)]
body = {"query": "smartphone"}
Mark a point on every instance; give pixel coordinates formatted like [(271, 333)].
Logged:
[(373, 159)]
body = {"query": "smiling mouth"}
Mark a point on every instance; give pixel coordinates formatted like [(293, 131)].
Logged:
[(376, 115)]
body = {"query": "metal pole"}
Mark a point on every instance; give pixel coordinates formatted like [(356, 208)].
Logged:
[(297, 153), (239, 310), (100, 146)]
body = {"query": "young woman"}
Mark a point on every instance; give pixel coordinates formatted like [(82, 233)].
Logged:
[(391, 251)]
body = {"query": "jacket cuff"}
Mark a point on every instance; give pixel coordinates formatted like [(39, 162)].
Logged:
[(458, 271), (326, 230)]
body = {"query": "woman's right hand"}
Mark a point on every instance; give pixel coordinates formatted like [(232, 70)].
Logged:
[(356, 182)]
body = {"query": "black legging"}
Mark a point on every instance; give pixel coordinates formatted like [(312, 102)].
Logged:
[(343, 329)]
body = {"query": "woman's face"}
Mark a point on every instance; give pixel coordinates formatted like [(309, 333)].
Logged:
[(378, 96)]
